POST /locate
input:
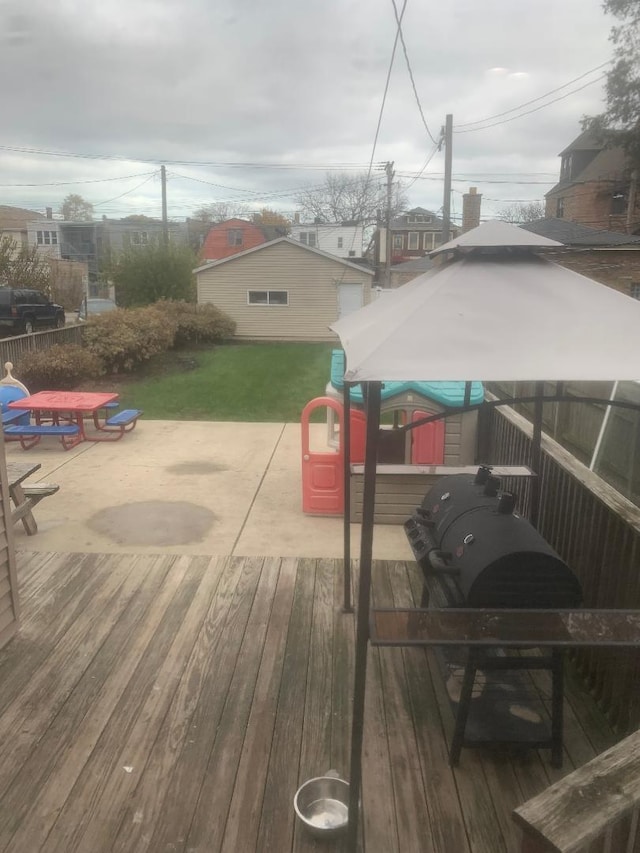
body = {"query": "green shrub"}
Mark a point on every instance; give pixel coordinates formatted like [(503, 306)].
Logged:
[(61, 367), (197, 324), (124, 339)]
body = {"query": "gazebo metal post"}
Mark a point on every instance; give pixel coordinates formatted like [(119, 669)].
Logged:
[(372, 397), (536, 454), (345, 437)]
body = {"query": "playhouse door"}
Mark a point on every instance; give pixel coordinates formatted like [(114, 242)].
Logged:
[(322, 470), (427, 441)]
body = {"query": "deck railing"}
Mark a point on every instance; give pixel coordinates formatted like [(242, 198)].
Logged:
[(593, 810), (11, 349), (597, 532)]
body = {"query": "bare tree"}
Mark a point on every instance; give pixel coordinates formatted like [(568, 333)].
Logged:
[(75, 209), (526, 211), (348, 198), (220, 211)]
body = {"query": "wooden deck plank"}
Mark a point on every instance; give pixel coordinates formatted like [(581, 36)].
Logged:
[(208, 827), (224, 629), (283, 772)]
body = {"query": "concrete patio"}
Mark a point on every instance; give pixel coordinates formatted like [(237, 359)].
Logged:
[(193, 488)]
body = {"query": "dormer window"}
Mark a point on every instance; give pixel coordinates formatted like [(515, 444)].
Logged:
[(565, 166)]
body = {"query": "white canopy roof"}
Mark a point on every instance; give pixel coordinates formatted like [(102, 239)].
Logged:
[(496, 234), (495, 317)]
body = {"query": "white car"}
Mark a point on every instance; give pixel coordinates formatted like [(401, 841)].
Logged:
[(90, 307)]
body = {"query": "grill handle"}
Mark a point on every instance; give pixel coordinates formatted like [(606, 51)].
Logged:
[(440, 563)]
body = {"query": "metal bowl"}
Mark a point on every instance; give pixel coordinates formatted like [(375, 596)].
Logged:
[(322, 805)]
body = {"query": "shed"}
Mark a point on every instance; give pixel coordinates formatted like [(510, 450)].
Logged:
[(284, 290)]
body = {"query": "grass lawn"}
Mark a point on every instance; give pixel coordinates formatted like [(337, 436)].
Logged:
[(234, 382)]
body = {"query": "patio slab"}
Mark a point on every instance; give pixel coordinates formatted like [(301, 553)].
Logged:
[(195, 487)]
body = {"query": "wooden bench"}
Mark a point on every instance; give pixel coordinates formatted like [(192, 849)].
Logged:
[(30, 434)]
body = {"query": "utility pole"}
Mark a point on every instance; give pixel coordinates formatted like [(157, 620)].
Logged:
[(448, 158), (165, 223), (387, 267)]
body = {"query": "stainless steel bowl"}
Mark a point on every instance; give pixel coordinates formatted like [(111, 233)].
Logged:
[(322, 805)]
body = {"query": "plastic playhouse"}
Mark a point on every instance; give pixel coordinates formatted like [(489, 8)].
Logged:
[(449, 442)]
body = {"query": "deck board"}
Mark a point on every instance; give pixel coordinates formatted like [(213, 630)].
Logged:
[(164, 703)]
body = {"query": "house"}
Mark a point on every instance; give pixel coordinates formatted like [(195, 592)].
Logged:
[(610, 257), (45, 235), (284, 290), (229, 238), (343, 239), (416, 233), (120, 235), (595, 187), (15, 222)]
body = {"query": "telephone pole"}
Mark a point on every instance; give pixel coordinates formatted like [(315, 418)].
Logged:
[(387, 266), (165, 223), (448, 158)]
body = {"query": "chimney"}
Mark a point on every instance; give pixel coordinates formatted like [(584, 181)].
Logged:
[(49, 212), (296, 218), (471, 202)]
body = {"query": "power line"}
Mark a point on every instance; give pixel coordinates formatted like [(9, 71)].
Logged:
[(534, 100), (90, 181), (132, 190), (413, 84), (426, 163), (535, 109)]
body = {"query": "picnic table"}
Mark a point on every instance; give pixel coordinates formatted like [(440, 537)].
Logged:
[(23, 503), (65, 413)]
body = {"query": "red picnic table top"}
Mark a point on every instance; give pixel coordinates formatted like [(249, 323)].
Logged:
[(64, 401)]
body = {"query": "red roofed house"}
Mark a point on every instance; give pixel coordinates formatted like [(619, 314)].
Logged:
[(230, 237)]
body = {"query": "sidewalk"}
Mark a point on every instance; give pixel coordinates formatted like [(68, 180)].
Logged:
[(196, 487)]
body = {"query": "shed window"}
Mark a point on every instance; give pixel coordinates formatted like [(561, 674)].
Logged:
[(414, 240), (268, 297), (234, 237)]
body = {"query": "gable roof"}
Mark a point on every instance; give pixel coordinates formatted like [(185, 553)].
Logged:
[(401, 222), (291, 242), (16, 218), (414, 265), (496, 235), (575, 234)]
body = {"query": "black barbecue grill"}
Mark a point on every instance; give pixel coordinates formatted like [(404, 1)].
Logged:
[(467, 530)]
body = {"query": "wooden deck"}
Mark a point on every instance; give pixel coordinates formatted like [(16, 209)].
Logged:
[(176, 703)]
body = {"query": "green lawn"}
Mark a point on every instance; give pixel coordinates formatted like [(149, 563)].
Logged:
[(235, 382)]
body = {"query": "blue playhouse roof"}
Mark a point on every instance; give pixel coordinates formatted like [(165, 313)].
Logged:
[(450, 394)]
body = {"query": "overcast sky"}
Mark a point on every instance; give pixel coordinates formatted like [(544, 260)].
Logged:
[(297, 85)]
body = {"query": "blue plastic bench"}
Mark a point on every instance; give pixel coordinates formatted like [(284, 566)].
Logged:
[(12, 416), (30, 434), (125, 418)]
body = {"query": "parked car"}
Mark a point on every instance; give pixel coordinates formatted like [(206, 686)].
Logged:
[(90, 307), (23, 310)]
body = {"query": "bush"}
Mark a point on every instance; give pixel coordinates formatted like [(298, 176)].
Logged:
[(196, 324), (62, 367), (124, 339), (144, 274)]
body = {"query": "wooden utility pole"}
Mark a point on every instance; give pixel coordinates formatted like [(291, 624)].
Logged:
[(448, 159), (387, 267), (165, 223)]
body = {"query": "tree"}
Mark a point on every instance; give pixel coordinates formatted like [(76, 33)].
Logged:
[(220, 211), (273, 224), (148, 273), (350, 198), (75, 209), (23, 267), (527, 211), (619, 124)]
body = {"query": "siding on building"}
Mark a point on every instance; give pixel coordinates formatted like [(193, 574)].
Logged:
[(345, 241), (310, 279), (617, 268), (217, 243)]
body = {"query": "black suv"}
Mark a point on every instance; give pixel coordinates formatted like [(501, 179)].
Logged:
[(23, 310)]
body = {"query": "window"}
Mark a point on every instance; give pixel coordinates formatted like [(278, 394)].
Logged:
[(308, 238), (414, 240), (340, 242), (634, 290), (47, 238), (560, 208), (234, 237), (565, 166), (139, 238), (267, 297), (398, 241), (618, 203)]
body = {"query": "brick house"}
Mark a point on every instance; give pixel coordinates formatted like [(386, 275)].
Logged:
[(610, 257), (595, 187), (229, 238)]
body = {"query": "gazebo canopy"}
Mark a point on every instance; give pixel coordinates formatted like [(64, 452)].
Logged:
[(500, 312)]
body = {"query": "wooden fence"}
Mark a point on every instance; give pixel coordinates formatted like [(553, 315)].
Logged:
[(11, 349), (597, 532)]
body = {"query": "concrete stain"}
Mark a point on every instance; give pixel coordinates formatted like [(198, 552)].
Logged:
[(154, 523)]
